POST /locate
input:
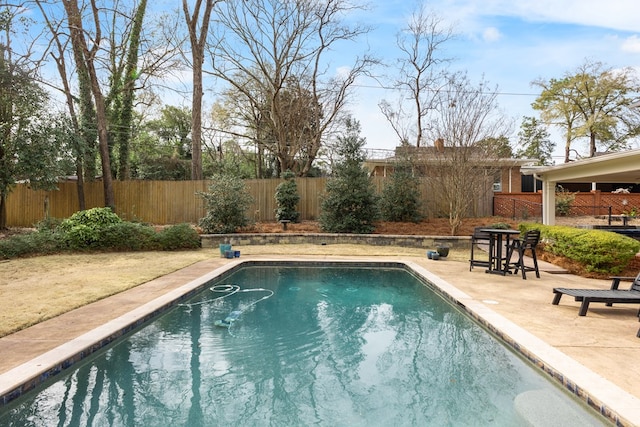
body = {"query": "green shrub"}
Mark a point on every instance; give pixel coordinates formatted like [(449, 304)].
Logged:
[(597, 250), (226, 203), (81, 237), (181, 236), (30, 244), (287, 199), (15, 246), (127, 236), (82, 229), (94, 218), (400, 199), (499, 226)]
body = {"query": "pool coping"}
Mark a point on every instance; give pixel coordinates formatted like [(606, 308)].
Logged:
[(614, 403)]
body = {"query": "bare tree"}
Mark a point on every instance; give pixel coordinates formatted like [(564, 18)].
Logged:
[(467, 119), (85, 61), (281, 47), (125, 56), (198, 40), (420, 75), (60, 41)]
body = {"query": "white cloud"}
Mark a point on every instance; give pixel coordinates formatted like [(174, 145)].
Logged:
[(631, 44), (343, 71), (491, 34), (613, 14)]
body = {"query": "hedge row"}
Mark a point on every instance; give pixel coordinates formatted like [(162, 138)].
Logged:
[(597, 250), (97, 229)]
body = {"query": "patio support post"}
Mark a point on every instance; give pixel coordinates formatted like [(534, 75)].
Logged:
[(548, 202)]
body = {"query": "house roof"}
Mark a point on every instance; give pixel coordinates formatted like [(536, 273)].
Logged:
[(430, 156), (620, 167)]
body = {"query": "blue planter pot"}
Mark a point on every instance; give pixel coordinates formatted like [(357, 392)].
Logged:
[(224, 247)]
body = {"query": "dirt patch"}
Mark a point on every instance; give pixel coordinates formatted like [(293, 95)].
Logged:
[(429, 227)]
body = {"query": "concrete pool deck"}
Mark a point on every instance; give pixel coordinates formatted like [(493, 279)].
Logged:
[(603, 342)]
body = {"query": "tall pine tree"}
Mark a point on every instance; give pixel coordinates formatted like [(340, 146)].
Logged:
[(350, 204)]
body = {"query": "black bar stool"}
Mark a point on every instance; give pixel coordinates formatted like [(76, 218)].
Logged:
[(528, 242), (479, 237)]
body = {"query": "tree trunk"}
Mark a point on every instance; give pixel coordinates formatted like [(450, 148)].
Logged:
[(125, 116), (196, 120), (86, 62), (3, 212), (103, 137), (198, 42)]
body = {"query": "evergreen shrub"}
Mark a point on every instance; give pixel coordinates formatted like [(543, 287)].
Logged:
[(350, 204), (127, 236), (287, 199), (226, 202), (180, 236), (82, 230), (29, 244), (400, 199)]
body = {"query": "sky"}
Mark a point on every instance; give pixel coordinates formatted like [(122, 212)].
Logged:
[(511, 43)]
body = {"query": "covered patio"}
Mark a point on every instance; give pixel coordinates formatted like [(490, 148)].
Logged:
[(621, 167)]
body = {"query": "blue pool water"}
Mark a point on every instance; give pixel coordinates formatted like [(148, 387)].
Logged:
[(298, 346)]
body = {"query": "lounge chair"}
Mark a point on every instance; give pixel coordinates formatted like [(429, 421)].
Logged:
[(613, 295)]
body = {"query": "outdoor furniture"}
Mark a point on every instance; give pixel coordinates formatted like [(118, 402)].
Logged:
[(623, 218), (477, 237), (284, 223), (519, 246), (499, 239), (613, 295)]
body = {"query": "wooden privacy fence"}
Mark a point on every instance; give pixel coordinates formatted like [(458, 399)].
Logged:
[(175, 202)]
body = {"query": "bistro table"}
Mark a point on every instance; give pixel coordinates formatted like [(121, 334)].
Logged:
[(499, 239)]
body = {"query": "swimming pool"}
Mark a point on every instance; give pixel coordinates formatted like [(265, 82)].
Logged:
[(311, 345)]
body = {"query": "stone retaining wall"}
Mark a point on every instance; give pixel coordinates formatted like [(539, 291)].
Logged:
[(426, 242)]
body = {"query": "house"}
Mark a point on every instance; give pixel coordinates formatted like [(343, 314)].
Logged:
[(507, 175)]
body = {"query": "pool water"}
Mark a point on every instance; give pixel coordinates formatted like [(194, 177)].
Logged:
[(306, 346)]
